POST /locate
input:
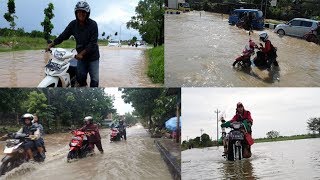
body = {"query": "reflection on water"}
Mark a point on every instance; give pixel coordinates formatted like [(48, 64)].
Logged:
[(200, 51), (136, 158), (297, 159), (119, 67)]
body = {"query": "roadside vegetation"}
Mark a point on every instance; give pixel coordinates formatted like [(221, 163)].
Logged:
[(285, 9), (156, 64)]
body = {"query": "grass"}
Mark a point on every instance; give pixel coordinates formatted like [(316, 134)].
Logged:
[(29, 43), (286, 138), (156, 64)]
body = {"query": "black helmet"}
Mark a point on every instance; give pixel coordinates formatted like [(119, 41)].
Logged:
[(82, 5), (121, 122), (88, 118), (26, 116)]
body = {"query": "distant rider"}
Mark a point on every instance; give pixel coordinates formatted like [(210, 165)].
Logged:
[(270, 52), (94, 138), (122, 129)]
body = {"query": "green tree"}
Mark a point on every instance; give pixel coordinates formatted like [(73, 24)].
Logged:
[(103, 34), (205, 140), (273, 134), (314, 124), (130, 119), (10, 15), (47, 25), (149, 21)]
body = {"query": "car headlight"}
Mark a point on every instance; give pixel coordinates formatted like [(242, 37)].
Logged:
[(59, 54)]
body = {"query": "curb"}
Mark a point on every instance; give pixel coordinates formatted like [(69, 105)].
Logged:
[(171, 161), (270, 25)]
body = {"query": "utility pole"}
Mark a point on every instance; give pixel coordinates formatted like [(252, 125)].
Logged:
[(201, 130), (217, 112)]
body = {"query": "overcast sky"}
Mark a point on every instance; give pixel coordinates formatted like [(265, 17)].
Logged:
[(109, 14), (282, 109), (119, 104)]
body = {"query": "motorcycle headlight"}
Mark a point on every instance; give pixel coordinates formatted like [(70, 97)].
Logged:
[(12, 142), (59, 54)]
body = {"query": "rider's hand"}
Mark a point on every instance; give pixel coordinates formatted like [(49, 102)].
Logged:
[(49, 46), (79, 56)]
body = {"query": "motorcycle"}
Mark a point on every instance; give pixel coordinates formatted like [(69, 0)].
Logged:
[(61, 70), (244, 61), (236, 142), (79, 145), (115, 135), (15, 155), (312, 36)]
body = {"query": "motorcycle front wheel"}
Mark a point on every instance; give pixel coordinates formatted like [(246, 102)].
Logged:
[(230, 155), (71, 155), (6, 166)]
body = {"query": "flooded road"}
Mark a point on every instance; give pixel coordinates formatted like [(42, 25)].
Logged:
[(200, 51), (119, 67), (136, 158), (295, 159)]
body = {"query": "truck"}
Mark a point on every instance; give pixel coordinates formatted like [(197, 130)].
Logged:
[(179, 5)]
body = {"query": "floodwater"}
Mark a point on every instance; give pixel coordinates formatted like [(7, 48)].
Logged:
[(200, 51), (294, 159), (119, 67), (136, 158)]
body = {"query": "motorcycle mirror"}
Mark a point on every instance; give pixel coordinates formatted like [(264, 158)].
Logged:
[(49, 41)]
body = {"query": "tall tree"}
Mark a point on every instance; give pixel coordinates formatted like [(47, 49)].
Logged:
[(149, 21), (10, 15), (272, 134), (314, 124), (47, 25)]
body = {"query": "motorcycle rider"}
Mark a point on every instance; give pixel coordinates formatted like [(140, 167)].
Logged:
[(85, 32), (36, 123), (270, 52), (94, 138), (243, 116), (122, 129), (31, 129)]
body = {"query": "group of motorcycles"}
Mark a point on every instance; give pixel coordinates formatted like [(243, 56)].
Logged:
[(15, 155)]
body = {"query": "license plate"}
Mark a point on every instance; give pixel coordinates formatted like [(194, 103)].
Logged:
[(53, 66)]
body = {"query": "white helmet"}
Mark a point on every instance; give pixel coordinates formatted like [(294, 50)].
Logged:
[(26, 116), (88, 118), (82, 5), (263, 36)]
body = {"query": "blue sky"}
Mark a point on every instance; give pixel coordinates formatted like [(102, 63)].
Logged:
[(282, 109), (109, 14)]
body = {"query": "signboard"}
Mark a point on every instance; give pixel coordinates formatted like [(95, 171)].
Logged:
[(273, 2)]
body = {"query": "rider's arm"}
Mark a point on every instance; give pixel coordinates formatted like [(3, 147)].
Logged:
[(20, 131), (249, 117), (36, 134), (65, 34), (93, 39)]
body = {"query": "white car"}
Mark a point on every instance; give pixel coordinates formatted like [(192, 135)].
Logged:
[(115, 43), (296, 27)]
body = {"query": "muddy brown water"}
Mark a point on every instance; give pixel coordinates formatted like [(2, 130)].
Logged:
[(200, 51), (119, 67), (136, 158), (295, 159)]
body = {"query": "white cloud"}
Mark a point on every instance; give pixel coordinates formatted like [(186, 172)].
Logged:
[(119, 104)]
